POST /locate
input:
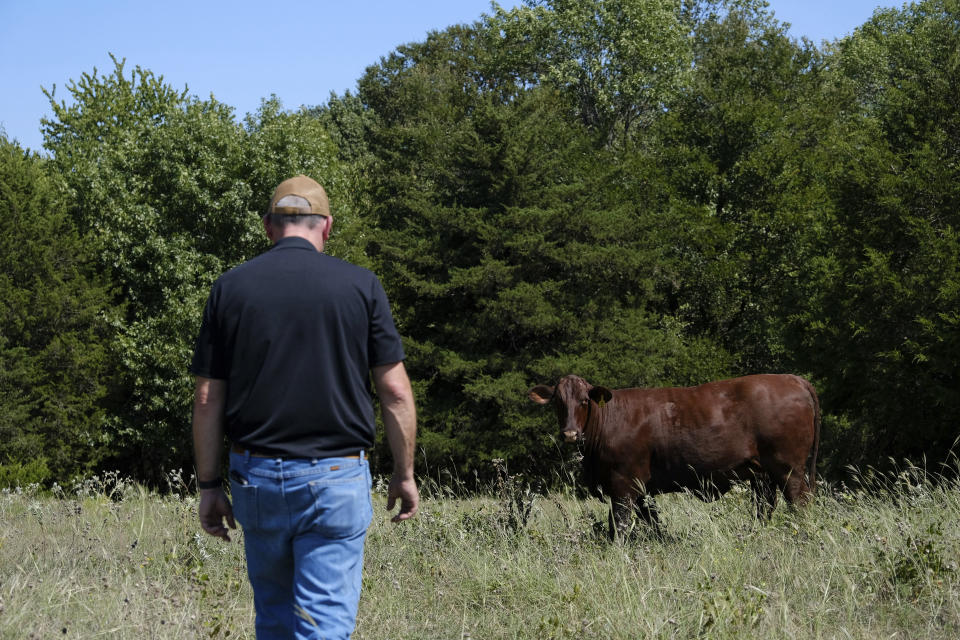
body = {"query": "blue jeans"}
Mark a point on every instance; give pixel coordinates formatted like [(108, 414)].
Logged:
[(304, 524)]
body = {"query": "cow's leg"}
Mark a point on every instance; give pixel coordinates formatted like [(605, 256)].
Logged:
[(764, 495), (611, 522), (796, 489), (621, 517)]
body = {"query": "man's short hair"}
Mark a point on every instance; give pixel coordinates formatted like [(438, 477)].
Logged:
[(282, 220)]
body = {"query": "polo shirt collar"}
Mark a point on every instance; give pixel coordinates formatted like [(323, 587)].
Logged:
[(293, 242)]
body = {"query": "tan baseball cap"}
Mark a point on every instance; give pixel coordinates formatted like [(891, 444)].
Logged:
[(300, 196)]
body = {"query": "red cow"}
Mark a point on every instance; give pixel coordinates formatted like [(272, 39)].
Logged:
[(642, 442)]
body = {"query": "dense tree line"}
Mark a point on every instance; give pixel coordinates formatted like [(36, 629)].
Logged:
[(644, 192)]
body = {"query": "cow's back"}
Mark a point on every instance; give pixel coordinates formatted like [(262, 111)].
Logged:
[(780, 412), (718, 429)]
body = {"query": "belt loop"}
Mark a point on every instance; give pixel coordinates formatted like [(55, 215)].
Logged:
[(362, 455), (246, 457)]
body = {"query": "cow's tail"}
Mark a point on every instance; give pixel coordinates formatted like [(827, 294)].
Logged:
[(812, 471)]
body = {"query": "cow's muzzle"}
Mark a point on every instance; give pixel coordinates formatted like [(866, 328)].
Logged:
[(571, 435)]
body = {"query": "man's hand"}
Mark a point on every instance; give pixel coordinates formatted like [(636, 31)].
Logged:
[(400, 422), (209, 399), (214, 508), (406, 491)]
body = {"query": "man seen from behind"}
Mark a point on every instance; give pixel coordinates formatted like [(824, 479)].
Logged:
[(288, 344)]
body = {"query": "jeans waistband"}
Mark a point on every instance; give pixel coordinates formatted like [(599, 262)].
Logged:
[(240, 449)]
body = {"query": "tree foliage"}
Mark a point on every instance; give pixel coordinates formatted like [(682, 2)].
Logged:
[(641, 192), (509, 248), (886, 303), (618, 62), (736, 148), (171, 189), (54, 365), (732, 226)]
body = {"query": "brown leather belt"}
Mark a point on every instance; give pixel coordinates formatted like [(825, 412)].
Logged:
[(236, 448)]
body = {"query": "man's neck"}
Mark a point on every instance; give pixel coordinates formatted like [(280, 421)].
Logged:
[(310, 235)]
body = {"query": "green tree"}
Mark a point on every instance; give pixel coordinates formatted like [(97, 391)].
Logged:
[(55, 372), (735, 148), (617, 61), (171, 189), (509, 254), (888, 285), (348, 122)]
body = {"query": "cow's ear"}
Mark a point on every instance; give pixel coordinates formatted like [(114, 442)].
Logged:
[(600, 395), (541, 394)]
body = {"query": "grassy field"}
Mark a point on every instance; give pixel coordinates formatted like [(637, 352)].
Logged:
[(875, 558)]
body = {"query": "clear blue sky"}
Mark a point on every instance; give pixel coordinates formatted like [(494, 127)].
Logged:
[(242, 51)]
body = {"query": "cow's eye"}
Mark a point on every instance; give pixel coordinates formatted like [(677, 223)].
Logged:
[(584, 402)]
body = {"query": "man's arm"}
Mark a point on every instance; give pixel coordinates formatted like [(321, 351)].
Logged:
[(209, 400), (400, 422)]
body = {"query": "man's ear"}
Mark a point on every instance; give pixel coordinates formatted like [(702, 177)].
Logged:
[(268, 228), (541, 394)]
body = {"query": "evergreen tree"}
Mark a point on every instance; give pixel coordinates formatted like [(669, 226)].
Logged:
[(508, 251), (55, 373)]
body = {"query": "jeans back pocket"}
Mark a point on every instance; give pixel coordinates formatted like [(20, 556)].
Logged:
[(342, 505)]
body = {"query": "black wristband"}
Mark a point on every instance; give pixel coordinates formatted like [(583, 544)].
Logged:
[(209, 484)]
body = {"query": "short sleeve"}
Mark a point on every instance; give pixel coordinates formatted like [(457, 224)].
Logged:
[(209, 355), (384, 346)]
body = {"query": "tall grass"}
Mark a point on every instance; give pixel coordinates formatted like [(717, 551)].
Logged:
[(874, 557)]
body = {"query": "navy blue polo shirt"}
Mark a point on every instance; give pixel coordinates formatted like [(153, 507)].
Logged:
[(295, 332)]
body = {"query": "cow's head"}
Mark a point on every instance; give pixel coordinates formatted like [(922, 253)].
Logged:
[(572, 399)]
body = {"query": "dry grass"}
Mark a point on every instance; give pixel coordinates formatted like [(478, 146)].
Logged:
[(109, 559)]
